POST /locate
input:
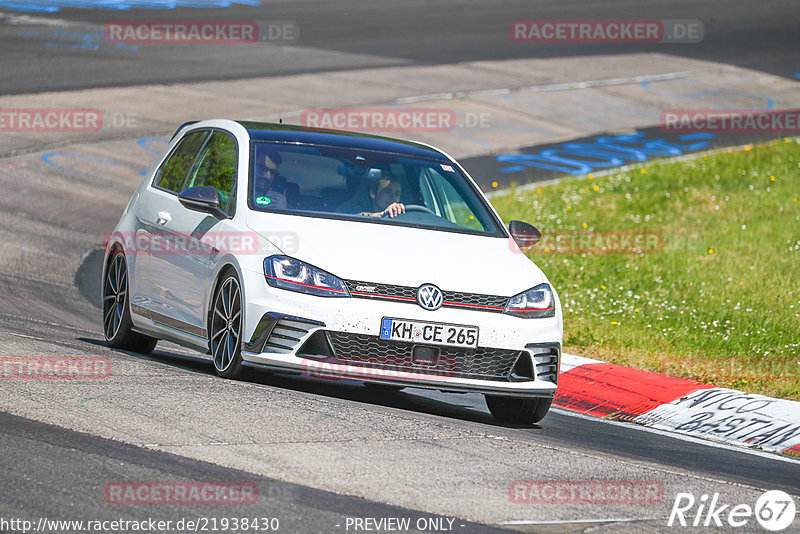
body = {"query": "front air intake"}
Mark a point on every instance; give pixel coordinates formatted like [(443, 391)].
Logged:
[(546, 358)]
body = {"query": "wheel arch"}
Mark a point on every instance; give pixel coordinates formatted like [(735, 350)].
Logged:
[(113, 245), (229, 265)]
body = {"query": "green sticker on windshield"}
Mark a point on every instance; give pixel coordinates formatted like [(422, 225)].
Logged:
[(263, 201)]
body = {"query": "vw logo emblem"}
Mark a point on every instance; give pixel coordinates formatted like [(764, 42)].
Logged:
[(429, 297)]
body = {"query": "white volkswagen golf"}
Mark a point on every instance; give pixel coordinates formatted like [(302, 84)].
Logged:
[(332, 254)]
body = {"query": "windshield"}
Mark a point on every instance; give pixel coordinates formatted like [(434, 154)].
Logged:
[(367, 186)]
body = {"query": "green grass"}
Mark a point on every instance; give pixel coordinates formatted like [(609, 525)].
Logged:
[(717, 301)]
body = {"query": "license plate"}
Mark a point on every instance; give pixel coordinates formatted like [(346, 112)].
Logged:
[(452, 335)]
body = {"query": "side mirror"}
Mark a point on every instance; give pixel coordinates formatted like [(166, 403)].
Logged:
[(202, 198), (524, 234)]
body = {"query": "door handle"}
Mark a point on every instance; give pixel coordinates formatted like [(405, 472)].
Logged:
[(163, 218)]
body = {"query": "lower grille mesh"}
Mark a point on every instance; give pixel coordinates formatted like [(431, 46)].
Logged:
[(370, 351)]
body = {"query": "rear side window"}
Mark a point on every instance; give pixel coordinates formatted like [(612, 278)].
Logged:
[(173, 172), (216, 167)]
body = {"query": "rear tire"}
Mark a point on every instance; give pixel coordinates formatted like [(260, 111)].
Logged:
[(225, 332), (117, 324), (520, 411)]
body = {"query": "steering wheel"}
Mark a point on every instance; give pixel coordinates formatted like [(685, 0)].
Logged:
[(417, 207)]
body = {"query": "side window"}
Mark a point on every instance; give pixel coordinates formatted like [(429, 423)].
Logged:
[(453, 204), (427, 193), (216, 167), (173, 172)]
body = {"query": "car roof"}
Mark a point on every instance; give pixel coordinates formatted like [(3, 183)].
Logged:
[(288, 133)]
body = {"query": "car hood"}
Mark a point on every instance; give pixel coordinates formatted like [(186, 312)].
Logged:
[(384, 253)]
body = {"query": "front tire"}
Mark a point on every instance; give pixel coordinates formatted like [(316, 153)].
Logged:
[(383, 387), (117, 324), (225, 334), (520, 411)]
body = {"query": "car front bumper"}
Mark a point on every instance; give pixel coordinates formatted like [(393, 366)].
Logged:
[(281, 325), (348, 372)]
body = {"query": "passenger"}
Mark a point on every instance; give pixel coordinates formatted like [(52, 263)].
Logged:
[(270, 186)]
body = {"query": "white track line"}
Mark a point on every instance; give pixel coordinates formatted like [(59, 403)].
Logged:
[(550, 87), (572, 521), (20, 20)]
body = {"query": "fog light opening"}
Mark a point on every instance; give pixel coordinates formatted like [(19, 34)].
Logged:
[(523, 368)]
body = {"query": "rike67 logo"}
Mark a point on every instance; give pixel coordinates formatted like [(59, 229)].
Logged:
[(774, 510)]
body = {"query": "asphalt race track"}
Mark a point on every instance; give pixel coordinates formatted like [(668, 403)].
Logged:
[(356, 34), (322, 453)]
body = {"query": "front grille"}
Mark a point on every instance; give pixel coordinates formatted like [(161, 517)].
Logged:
[(497, 304), (371, 290), (370, 351), (452, 299)]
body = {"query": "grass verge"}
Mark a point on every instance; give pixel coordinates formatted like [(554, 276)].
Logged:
[(710, 288)]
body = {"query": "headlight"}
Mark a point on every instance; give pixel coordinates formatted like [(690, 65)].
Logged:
[(533, 303), (288, 273)]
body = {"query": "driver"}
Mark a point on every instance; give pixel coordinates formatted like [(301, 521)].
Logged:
[(384, 199), (385, 194)]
